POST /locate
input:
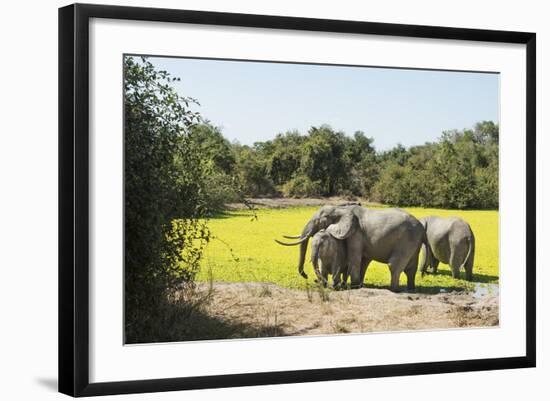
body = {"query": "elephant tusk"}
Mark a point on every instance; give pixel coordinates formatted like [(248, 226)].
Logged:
[(291, 243), (292, 236)]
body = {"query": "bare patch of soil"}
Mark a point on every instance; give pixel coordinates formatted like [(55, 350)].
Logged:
[(277, 203), (267, 310)]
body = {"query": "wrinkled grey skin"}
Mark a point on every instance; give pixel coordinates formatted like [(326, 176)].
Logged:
[(451, 241), (389, 236), (331, 252)]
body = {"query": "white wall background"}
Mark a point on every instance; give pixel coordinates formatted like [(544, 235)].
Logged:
[(28, 197)]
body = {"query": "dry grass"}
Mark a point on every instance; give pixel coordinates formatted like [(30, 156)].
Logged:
[(250, 312)]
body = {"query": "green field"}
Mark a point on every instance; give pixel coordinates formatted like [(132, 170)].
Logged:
[(243, 249)]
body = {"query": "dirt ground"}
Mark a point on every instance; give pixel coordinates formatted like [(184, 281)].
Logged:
[(295, 202), (266, 310)]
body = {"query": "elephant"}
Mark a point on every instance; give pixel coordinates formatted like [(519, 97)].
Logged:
[(332, 254), (390, 236), (451, 241)]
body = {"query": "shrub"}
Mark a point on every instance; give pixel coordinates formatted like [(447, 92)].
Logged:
[(301, 186), (164, 181), (221, 189)]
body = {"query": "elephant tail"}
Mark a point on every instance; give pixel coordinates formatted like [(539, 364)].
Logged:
[(470, 253), (427, 257)]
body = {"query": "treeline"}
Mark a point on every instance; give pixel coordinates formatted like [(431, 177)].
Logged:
[(460, 170)]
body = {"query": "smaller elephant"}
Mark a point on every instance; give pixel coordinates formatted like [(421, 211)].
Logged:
[(451, 241), (332, 254)]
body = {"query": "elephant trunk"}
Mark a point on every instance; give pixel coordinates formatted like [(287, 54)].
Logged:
[(303, 249), (315, 260), (306, 233)]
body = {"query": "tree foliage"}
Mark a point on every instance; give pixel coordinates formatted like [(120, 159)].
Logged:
[(460, 170), (165, 176)]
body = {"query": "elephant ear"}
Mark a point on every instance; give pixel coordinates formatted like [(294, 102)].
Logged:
[(345, 227)]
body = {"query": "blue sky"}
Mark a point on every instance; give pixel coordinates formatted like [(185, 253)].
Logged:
[(253, 101)]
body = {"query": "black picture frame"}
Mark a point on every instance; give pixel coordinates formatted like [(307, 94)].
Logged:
[(74, 198)]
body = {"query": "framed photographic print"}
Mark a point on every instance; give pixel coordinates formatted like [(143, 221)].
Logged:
[(252, 199)]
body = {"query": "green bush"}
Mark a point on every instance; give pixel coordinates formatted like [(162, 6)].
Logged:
[(164, 180), (301, 187), (460, 171), (251, 173), (221, 189)]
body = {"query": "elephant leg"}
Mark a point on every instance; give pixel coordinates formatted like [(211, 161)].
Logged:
[(410, 271), (397, 265), (344, 273), (355, 274), (354, 254), (354, 271), (337, 278), (469, 267), (435, 264), (322, 274), (364, 266), (325, 277), (454, 263), (394, 284)]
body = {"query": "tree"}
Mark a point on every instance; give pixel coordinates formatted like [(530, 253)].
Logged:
[(486, 132), (219, 166), (164, 182), (398, 154), (322, 159), (361, 163), (358, 147), (457, 187), (252, 173), (213, 146), (283, 156), (459, 171)]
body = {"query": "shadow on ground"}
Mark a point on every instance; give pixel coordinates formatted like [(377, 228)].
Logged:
[(478, 278), (229, 214), (419, 288), (200, 325)]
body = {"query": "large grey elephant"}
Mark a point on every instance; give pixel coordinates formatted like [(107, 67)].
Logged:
[(451, 241), (390, 236), (331, 252)]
